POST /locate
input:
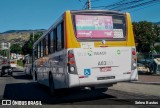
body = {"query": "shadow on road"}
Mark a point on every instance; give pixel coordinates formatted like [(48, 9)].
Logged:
[(35, 92), (22, 77), (5, 76)]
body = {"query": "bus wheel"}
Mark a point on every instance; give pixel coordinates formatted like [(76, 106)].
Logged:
[(35, 76), (51, 85)]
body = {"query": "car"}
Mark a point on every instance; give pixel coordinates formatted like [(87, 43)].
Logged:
[(141, 68), (13, 63), (5, 67)]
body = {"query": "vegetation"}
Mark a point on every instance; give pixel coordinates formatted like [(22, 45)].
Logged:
[(157, 48), (27, 47), (19, 63), (16, 48), (146, 34), (21, 41), (15, 37), (3, 52)]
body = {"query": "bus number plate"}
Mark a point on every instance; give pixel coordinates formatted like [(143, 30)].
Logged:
[(105, 69)]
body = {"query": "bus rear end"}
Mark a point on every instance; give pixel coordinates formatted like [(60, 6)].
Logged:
[(100, 48)]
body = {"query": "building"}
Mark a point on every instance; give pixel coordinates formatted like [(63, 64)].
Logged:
[(5, 45), (5, 48)]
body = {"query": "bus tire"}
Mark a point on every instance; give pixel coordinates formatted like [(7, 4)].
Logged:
[(35, 76), (51, 85)]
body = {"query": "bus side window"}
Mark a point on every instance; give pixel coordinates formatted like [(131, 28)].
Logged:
[(35, 52), (55, 40), (60, 37), (42, 48), (52, 46), (49, 43), (39, 50), (46, 45)]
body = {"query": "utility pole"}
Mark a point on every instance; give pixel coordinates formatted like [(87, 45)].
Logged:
[(89, 4), (9, 53), (32, 53)]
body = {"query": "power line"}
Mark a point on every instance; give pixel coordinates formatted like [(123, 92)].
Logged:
[(138, 5), (127, 4), (81, 2), (145, 7), (85, 5), (114, 4), (95, 0)]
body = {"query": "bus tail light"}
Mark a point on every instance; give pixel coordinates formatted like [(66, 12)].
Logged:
[(134, 59), (133, 52), (71, 63), (70, 55)]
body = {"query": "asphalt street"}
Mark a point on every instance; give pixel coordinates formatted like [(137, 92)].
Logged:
[(22, 88)]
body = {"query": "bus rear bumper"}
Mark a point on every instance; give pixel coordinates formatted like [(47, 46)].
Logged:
[(90, 81), (75, 81)]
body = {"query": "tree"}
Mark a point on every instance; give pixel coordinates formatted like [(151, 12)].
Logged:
[(145, 35), (27, 47), (157, 32), (157, 48), (16, 48), (3, 52)]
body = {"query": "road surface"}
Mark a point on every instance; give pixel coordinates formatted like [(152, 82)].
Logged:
[(21, 88)]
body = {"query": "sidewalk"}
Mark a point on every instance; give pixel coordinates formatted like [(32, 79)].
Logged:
[(148, 85), (148, 79)]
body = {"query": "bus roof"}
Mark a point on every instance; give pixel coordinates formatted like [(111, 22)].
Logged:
[(96, 11)]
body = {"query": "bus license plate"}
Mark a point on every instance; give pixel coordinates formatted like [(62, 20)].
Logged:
[(105, 69)]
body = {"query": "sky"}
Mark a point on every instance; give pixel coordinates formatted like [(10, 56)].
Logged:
[(41, 14)]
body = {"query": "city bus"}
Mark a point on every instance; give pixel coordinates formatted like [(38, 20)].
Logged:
[(86, 48)]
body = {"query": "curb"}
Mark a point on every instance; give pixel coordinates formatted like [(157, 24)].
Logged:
[(150, 83)]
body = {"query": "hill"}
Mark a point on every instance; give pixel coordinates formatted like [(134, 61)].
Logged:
[(17, 36), (158, 23)]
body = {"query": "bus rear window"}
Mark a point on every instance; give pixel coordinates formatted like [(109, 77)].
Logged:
[(100, 27)]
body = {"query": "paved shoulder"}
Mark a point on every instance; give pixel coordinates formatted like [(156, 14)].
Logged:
[(146, 89)]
